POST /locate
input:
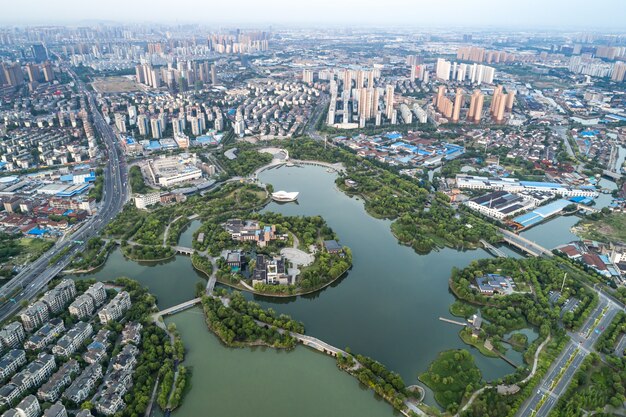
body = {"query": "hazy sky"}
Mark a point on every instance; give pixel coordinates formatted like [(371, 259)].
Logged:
[(599, 14)]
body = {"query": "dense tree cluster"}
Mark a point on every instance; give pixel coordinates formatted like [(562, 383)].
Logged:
[(452, 376), (510, 312), (236, 326), (98, 186), (269, 316), (423, 220), (607, 340), (95, 253), (147, 252), (126, 223), (597, 386), (152, 229), (176, 228), (246, 162), (201, 263), (9, 246), (376, 376), (441, 225), (136, 181), (327, 267)]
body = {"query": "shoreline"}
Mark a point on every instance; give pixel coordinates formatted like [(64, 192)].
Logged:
[(248, 290)]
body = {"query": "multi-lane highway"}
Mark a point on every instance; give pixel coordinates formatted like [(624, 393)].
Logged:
[(32, 279), (558, 377)]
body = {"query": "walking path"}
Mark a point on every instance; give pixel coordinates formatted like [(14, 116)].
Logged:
[(167, 230), (523, 381), (152, 397)]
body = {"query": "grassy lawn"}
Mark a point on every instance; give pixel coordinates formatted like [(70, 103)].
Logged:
[(478, 343), (461, 309), (33, 248), (610, 228)]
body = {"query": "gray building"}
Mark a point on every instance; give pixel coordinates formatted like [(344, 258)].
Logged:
[(45, 335), (59, 296), (28, 407), (11, 362), (51, 390), (82, 386), (35, 315), (72, 340), (57, 410), (12, 335)]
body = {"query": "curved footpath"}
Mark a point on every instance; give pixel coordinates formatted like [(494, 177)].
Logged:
[(523, 381)]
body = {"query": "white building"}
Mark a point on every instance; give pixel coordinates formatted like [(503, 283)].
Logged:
[(142, 201), (12, 335), (11, 362), (116, 308), (35, 315), (82, 306), (513, 185)]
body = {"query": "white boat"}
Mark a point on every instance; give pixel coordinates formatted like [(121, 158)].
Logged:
[(284, 196), (290, 164)]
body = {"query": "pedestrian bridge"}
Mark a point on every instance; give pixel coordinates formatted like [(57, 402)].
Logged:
[(495, 251), (182, 250), (334, 167), (524, 244), (317, 344), (178, 308)]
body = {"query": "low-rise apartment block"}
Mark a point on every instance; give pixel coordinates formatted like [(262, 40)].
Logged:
[(51, 390), (35, 372), (82, 386), (11, 362), (45, 335), (28, 407), (132, 333), (72, 340), (116, 308), (82, 306), (97, 349), (35, 315), (117, 382), (12, 335), (57, 410), (59, 296), (98, 293)]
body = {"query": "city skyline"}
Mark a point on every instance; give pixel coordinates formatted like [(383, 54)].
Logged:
[(480, 14)]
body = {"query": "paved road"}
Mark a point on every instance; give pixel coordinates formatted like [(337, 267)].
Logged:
[(318, 111), (621, 346), (581, 344), (36, 276)]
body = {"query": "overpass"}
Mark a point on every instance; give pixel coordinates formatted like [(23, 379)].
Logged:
[(524, 244), (611, 174)]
